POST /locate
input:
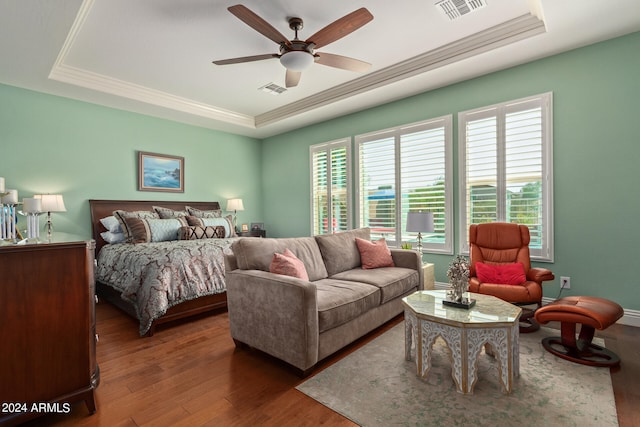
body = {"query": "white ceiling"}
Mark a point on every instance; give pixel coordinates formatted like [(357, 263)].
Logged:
[(154, 56)]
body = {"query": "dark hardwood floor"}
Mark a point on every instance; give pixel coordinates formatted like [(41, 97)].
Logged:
[(190, 374)]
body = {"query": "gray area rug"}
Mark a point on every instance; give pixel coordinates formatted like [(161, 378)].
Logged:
[(376, 386)]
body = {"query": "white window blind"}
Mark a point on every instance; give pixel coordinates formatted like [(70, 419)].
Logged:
[(505, 169), (330, 187), (406, 169)]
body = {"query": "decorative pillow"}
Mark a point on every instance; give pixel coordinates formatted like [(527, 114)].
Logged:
[(374, 254), (121, 215), (111, 224), (144, 230), (226, 222), (196, 232), (204, 214), (166, 213), (289, 265), (112, 238), (508, 274)]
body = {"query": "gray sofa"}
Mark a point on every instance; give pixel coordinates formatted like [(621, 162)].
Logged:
[(302, 322)]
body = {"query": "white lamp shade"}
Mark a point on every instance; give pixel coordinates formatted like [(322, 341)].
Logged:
[(235, 205), (31, 205), (420, 222), (297, 60), (51, 202)]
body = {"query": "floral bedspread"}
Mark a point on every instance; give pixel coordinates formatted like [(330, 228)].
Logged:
[(157, 276)]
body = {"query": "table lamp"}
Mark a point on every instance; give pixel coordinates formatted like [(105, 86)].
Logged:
[(235, 205), (51, 203), (420, 222)]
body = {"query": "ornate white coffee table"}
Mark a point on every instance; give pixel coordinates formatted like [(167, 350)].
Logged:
[(490, 322)]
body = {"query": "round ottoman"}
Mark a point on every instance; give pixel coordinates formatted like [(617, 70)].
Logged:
[(590, 312)]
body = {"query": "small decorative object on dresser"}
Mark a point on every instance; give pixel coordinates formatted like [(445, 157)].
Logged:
[(257, 226), (245, 227)]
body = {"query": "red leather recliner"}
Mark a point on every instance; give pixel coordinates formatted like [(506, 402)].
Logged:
[(499, 243)]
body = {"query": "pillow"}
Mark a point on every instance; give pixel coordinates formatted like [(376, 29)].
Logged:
[(111, 224), (204, 214), (226, 222), (374, 254), (111, 237), (121, 215), (289, 265), (196, 232), (507, 274), (144, 230), (166, 213)]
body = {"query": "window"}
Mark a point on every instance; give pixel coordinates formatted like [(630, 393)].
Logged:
[(505, 165), (404, 169), (330, 187)]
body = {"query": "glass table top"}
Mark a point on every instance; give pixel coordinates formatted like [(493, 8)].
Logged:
[(487, 310)]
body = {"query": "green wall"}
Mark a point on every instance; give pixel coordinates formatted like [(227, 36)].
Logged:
[(83, 151), (596, 93)]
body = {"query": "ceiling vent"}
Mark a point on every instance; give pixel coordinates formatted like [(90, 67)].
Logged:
[(273, 89), (454, 9)]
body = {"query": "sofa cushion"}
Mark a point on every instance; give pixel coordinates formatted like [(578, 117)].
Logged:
[(374, 254), (256, 254), (288, 264), (392, 281), (341, 301), (339, 250)]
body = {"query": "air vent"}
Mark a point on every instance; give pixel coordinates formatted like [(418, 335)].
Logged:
[(454, 9), (273, 89)]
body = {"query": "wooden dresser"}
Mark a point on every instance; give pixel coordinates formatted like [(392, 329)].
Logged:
[(47, 328)]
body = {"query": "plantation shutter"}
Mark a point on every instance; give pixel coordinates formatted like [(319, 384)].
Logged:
[(330, 182), (506, 157)]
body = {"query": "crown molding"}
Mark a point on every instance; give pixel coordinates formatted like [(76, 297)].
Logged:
[(517, 29)]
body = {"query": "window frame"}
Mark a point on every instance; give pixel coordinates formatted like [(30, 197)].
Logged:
[(328, 147), (446, 122), (500, 111)]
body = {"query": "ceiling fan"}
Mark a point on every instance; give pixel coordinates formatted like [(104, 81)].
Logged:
[(297, 55)]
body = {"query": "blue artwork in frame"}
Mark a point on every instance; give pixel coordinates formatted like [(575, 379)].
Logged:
[(160, 172)]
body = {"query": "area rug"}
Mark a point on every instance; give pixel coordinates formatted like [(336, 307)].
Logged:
[(376, 386)]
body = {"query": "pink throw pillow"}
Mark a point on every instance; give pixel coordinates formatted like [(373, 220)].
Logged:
[(289, 265), (374, 254), (508, 274)]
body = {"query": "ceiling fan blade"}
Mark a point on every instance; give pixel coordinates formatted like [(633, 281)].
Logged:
[(344, 62), (246, 59), (292, 78), (340, 28), (258, 24)]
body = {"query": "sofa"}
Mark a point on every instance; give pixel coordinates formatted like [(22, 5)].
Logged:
[(303, 321)]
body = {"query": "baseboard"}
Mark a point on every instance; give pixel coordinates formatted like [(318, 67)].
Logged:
[(630, 317)]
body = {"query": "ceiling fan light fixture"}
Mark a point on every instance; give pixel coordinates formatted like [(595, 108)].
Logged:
[(297, 60)]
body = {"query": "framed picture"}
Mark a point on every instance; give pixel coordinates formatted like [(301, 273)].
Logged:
[(257, 226), (245, 227), (160, 172)]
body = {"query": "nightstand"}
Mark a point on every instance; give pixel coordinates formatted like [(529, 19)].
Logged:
[(252, 233)]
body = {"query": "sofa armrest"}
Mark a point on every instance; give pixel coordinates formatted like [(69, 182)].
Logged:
[(274, 313), (409, 259)]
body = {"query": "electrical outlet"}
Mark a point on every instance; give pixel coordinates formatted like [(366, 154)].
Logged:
[(565, 282)]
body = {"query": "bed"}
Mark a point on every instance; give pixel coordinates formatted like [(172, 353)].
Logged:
[(132, 276)]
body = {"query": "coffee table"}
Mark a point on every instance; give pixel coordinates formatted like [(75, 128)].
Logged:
[(491, 323)]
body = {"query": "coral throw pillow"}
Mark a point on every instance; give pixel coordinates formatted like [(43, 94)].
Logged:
[(289, 265), (508, 274), (374, 254)]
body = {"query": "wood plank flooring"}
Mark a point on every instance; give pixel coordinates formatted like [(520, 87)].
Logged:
[(190, 374)]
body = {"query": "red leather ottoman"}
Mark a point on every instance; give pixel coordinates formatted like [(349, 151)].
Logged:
[(592, 313)]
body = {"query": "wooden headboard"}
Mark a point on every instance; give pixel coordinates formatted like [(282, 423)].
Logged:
[(103, 208)]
